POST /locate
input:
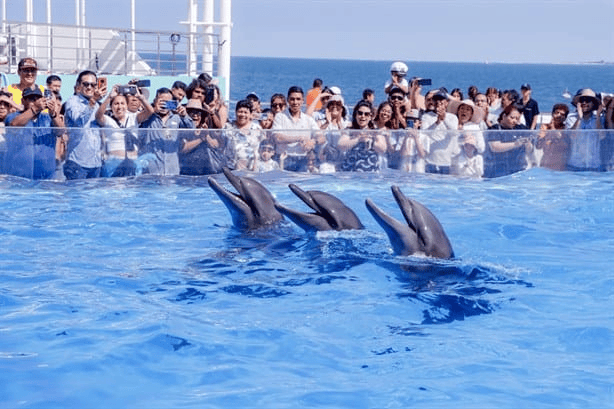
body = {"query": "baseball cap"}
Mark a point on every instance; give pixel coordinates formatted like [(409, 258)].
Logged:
[(28, 92)]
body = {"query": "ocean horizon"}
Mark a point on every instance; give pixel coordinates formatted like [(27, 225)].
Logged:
[(269, 75)]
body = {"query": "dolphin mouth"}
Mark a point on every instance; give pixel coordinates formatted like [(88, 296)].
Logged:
[(221, 190), (420, 234)]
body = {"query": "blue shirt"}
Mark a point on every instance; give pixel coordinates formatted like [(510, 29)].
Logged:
[(162, 140), (84, 138), (30, 148)]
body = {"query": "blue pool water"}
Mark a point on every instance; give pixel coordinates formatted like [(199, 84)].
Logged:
[(139, 293)]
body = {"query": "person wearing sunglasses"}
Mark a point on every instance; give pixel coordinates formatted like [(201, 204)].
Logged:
[(278, 103), (27, 69), (399, 108), (84, 149), (363, 146), (585, 150), (264, 160)]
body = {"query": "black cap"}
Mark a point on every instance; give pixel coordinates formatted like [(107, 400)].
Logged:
[(28, 92), (525, 86)]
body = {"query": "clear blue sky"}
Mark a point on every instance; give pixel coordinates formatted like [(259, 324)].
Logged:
[(555, 31)]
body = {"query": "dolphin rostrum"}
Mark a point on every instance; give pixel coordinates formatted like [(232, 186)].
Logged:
[(330, 213), (252, 207), (422, 235)]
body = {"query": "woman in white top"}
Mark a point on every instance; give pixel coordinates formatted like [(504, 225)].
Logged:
[(122, 126)]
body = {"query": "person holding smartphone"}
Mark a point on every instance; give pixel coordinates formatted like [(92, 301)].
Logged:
[(84, 149), (161, 139), (120, 133)]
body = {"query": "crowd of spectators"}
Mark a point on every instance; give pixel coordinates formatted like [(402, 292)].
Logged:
[(186, 129)]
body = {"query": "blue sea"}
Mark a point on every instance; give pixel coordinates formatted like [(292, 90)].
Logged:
[(267, 76), (139, 292)]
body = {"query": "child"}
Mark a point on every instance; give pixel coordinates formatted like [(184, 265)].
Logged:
[(266, 163), (468, 162)]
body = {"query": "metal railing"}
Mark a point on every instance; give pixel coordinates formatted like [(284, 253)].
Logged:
[(66, 49)]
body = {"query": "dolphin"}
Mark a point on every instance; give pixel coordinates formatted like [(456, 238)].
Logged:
[(330, 212), (252, 207), (422, 235)]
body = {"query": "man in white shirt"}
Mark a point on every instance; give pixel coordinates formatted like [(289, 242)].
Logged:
[(294, 135), (442, 133)]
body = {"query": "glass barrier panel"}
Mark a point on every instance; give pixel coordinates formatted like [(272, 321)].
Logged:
[(54, 153)]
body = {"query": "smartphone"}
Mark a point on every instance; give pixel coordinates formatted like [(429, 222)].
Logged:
[(171, 105), (48, 94), (143, 83), (102, 82), (209, 94), (424, 81)]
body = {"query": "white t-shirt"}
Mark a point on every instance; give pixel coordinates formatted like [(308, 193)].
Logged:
[(115, 137)]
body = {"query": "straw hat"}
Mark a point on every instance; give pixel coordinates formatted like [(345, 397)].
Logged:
[(586, 92), (478, 114), (195, 104)]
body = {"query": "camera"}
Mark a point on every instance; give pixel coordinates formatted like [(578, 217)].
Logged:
[(209, 94), (171, 105), (127, 90)]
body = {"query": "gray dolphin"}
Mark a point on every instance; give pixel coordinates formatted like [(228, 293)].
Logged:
[(423, 234), (252, 207), (330, 212)]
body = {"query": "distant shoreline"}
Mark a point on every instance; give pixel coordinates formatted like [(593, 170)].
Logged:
[(602, 62)]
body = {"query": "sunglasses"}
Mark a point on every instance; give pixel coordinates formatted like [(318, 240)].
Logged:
[(29, 70), (585, 99), (267, 149), (396, 98), (278, 105), (86, 84), (194, 112), (363, 113)]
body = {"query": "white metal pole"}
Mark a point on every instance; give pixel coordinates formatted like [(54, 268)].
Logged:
[(83, 39), (192, 18), (4, 16), (208, 50), (29, 38), (49, 53), (78, 27), (133, 37), (224, 53)]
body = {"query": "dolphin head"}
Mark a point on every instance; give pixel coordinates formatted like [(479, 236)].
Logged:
[(422, 234), (252, 207), (330, 213)]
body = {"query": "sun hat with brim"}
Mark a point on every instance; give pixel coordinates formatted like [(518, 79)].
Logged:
[(585, 92), (195, 104), (336, 98), (478, 114), (335, 90)]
